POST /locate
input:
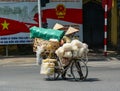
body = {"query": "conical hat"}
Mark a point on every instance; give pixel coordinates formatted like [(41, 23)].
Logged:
[(57, 26), (71, 30)]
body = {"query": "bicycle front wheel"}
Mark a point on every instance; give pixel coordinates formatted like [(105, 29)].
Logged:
[(79, 70)]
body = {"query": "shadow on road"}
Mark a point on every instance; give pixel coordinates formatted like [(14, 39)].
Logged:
[(87, 80), (73, 80), (92, 80)]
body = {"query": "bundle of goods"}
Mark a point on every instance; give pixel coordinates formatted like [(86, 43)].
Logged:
[(46, 41), (46, 34), (74, 49), (46, 44), (47, 66), (45, 47)]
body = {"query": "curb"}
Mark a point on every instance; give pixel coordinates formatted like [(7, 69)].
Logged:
[(93, 58)]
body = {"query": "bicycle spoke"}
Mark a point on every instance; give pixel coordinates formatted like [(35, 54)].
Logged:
[(84, 69), (74, 71)]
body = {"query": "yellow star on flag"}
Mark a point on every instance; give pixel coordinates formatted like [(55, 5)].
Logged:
[(5, 25)]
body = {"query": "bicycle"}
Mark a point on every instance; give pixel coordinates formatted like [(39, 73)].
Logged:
[(76, 69)]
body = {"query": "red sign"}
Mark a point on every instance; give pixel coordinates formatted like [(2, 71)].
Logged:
[(72, 15), (108, 2)]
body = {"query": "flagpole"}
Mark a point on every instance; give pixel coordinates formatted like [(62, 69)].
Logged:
[(39, 12)]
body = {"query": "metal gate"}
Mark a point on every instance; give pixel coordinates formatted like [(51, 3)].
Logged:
[(93, 24)]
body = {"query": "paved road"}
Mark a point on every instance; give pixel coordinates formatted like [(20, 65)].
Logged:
[(22, 74), (27, 78)]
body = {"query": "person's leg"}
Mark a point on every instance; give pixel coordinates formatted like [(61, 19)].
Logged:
[(80, 72), (64, 73)]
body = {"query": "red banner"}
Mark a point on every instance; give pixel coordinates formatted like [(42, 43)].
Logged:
[(71, 15)]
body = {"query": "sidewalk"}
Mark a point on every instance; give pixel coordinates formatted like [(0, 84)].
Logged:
[(98, 59), (17, 60), (94, 58), (99, 56)]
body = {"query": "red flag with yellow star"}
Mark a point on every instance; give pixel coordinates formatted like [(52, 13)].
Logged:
[(9, 26)]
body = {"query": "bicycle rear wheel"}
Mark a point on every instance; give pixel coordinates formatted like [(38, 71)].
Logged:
[(79, 70)]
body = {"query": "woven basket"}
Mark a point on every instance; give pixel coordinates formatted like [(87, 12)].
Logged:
[(50, 46)]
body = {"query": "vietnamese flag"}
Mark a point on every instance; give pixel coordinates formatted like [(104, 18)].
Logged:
[(9, 26)]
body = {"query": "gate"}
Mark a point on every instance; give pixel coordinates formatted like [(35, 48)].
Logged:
[(93, 24)]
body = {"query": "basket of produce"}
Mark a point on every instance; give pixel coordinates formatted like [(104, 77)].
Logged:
[(47, 48)]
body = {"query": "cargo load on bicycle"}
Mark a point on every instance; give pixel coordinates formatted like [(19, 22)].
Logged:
[(47, 43), (74, 49), (47, 40)]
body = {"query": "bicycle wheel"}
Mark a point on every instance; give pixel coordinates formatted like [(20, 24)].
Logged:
[(79, 70)]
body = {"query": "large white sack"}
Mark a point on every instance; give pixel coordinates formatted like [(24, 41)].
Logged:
[(67, 47), (86, 48), (60, 52), (85, 45), (81, 52), (67, 54), (75, 48), (77, 43)]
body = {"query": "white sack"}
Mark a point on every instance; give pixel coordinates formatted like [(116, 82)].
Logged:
[(81, 52), (44, 68), (76, 43), (68, 54), (67, 46), (60, 52), (47, 68), (85, 45), (86, 48), (75, 48)]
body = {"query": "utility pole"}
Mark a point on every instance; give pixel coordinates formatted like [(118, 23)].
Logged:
[(39, 12)]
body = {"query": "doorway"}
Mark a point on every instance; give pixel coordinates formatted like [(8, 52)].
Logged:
[(93, 24)]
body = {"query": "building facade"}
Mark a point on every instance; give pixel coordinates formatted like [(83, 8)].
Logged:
[(93, 21)]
